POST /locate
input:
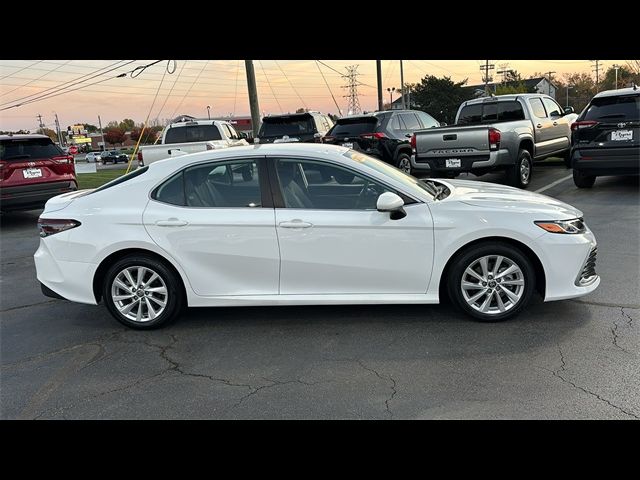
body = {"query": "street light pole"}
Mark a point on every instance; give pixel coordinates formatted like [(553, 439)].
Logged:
[(209, 111), (568, 88), (391, 90), (616, 67)]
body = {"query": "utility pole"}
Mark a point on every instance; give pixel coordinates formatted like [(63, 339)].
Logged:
[(485, 68), (616, 67), (40, 124), (58, 131), (568, 88), (549, 78), (253, 97), (104, 145), (404, 106), (597, 70), (379, 75)]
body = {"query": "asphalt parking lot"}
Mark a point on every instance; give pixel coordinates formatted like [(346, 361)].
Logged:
[(574, 359)]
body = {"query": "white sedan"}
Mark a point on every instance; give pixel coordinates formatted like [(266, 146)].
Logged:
[(302, 224), (93, 157)]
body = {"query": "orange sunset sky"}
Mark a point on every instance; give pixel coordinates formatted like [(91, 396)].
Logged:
[(283, 86)]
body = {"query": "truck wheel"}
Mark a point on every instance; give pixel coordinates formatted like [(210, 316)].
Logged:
[(403, 162), (519, 175), (583, 181)]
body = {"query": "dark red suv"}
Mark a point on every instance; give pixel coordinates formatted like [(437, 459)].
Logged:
[(32, 170)]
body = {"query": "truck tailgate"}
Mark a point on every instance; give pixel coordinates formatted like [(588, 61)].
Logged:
[(467, 143)]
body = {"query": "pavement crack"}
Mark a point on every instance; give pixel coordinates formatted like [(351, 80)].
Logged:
[(563, 365), (627, 316), (604, 304), (20, 307), (385, 379), (273, 383), (614, 332)]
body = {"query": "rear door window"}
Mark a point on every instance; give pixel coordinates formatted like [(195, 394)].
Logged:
[(623, 107), (411, 122), (510, 111), (427, 120), (28, 148), (537, 108)]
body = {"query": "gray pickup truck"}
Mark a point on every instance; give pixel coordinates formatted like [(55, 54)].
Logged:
[(505, 132)]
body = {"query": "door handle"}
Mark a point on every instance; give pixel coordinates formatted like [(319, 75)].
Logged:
[(295, 224), (539, 125), (171, 222)]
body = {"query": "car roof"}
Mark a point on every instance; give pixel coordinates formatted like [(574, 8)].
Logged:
[(23, 136), (510, 96), (620, 91)]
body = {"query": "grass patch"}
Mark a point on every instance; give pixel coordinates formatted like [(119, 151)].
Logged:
[(95, 180)]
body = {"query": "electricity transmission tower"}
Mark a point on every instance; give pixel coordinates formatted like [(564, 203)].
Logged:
[(353, 106)]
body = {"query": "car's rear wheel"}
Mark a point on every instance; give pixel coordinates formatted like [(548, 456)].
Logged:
[(141, 292), (491, 281), (519, 175), (582, 180), (403, 162)]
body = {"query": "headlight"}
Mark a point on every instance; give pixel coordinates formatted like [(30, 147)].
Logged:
[(575, 225)]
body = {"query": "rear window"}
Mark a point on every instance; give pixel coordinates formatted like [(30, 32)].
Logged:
[(354, 126), (625, 107), (292, 126), (33, 148), (192, 133), (491, 113), (122, 179)]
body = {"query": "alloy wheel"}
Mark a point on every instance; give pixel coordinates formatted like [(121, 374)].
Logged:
[(525, 171), (492, 284), (405, 165), (139, 293)]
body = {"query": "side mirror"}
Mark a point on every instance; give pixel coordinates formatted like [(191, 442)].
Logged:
[(568, 110), (242, 135), (392, 203)]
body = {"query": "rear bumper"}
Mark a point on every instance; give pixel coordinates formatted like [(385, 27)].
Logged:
[(25, 197), (494, 159), (612, 161)]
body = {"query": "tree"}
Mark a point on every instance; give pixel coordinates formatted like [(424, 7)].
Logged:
[(113, 124), (127, 124), (114, 135), (440, 97), (90, 128), (634, 66), (302, 110), (625, 78), (49, 133), (582, 88)]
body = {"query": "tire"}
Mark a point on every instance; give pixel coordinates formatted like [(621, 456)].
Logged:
[(403, 162), (567, 159), (139, 316), (520, 174), (104, 162), (470, 258), (582, 180)]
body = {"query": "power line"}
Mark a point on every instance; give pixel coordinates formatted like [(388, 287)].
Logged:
[(70, 83), (235, 95), (18, 71), (34, 80), (331, 68), (294, 88), (171, 90), (329, 88), (270, 87), (187, 92)]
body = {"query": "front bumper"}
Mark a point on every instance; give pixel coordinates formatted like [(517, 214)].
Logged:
[(564, 258), (481, 161), (70, 280)]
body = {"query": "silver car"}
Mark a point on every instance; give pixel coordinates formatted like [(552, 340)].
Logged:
[(93, 157)]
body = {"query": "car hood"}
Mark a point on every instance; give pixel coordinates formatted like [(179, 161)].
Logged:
[(492, 195)]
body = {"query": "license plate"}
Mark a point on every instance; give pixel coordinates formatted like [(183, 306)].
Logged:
[(348, 145), (453, 163), (32, 172), (622, 135)]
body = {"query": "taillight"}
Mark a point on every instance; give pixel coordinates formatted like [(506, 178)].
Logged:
[(494, 139), (413, 142), (371, 136), (65, 160), (140, 160), (51, 226), (583, 124), (328, 138)]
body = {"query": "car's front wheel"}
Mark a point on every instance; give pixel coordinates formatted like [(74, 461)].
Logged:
[(491, 281), (142, 292)]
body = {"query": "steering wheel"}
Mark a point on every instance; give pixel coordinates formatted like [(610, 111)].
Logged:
[(368, 189)]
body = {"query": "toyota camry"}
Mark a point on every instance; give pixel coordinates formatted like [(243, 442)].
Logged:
[(303, 224)]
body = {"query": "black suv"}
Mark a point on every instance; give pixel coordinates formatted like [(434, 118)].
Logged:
[(308, 127), (385, 135), (604, 139), (114, 156)]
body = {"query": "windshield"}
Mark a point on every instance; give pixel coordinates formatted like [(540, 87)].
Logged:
[(411, 183), (292, 126)]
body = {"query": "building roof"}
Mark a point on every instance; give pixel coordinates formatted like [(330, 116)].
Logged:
[(528, 82)]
